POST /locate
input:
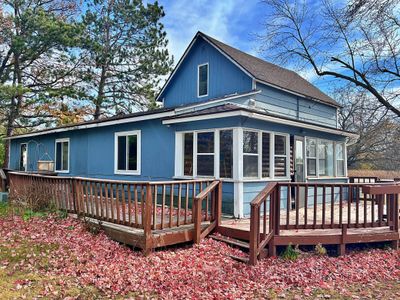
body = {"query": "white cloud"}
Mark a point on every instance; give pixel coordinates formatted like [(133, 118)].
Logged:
[(219, 19)]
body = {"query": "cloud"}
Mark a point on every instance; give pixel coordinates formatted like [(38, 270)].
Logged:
[(229, 21)]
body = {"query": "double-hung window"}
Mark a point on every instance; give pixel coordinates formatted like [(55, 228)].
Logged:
[(311, 151), (205, 153), (127, 152), (340, 167), (250, 154), (325, 158), (62, 155), (226, 153), (202, 80)]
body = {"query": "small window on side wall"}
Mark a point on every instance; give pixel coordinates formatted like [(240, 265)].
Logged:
[(62, 155), (127, 153), (202, 84)]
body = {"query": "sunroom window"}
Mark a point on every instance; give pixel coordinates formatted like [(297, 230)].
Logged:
[(250, 154), (188, 154), (340, 167), (205, 154), (62, 155), (127, 152), (311, 150), (323, 156), (226, 153), (280, 156), (202, 84)]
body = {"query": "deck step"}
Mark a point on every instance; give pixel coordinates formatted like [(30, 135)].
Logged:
[(240, 259), (231, 241)]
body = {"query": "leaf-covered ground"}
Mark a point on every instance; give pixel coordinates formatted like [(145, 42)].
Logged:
[(59, 259)]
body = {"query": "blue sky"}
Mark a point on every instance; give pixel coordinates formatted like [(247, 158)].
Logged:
[(235, 22)]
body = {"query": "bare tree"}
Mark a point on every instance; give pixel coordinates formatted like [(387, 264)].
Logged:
[(379, 131), (358, 42)]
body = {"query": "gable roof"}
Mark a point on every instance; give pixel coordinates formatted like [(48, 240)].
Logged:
[(262, 71)]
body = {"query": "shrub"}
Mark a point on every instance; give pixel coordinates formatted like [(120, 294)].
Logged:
[(290, 253), (320, 250)]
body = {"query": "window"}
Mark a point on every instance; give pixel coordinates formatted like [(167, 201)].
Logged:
[(265, 154), (127, 153), (225, 153), (202, 84), (311, 151), (205, 154), (340, 168), (325, 158), (188, 154), (62, 155), (250, 154), (23, 160), (280, 154)]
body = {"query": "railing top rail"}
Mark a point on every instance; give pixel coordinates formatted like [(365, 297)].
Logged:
[(264, 193), (337, 184), (205, 192), (114, 180)]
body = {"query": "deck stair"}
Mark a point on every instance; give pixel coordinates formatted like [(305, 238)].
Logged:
[(231, 241)]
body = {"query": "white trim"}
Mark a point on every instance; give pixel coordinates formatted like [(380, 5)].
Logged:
[(20, 153), (100, 124), (238, 193), (198, 80), (259, 117), (179, 152), (62, 140), (138, 147)]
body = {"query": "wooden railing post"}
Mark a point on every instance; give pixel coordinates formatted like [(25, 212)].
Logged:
[(254, 233), (218, 204), (197, 220), (147, 220)]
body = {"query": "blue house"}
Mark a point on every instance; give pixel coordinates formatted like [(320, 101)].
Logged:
[(226, 115)]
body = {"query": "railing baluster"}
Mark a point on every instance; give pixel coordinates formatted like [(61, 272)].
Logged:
[(288, 204), (323, 205), (332, 205), (155, 207), (179, 204), (315, 206), (305, 205), (129, 195), (171, 204), (186, 202), (124, 221), (135, 187), (162, 206), (297, 196), (341, 206)]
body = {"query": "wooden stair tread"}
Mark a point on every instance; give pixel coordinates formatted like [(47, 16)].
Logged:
[(240, 259), (231, 241)]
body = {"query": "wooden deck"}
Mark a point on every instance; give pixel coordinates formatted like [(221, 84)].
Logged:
[(149, 215)]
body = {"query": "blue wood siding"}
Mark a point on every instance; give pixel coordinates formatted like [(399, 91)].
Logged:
[(285, 104), (224, 77)]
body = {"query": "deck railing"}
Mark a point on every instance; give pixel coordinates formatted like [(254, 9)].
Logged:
[(311, 206), (150, 206)]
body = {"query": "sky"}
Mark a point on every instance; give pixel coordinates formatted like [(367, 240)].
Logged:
[(234, 22)]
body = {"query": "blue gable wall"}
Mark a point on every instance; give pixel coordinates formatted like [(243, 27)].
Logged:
[(224, 77)]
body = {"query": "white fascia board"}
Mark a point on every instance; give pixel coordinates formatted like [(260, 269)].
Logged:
[(96, 125), (213, 102), (260, 117)]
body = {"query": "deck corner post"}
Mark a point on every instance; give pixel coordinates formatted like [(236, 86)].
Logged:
[(254, 233), (342, 245), (74, 195), (197, 220), (147, 220)]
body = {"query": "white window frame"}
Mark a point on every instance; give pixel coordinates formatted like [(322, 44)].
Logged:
[(335, 174), (258, 154), (198, 80), (138, 151), (287, 155), (179, 153), (63, 140), (311, 157), (271, 155), (341, 159), (20, 154)]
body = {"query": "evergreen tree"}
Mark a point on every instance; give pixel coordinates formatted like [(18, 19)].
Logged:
[(125, 55)]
